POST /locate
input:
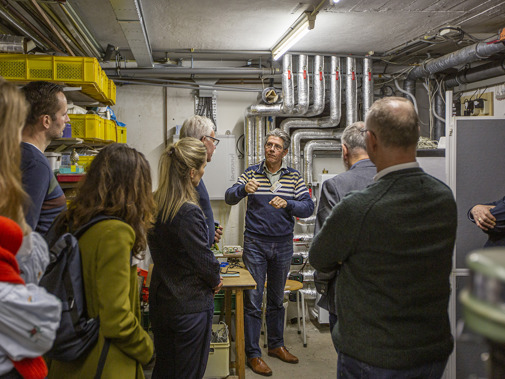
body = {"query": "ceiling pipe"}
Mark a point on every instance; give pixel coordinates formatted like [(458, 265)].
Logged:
[(170, 71), (52, 27), (367, 86), (351, 91), (485, 71), (308, 151), (304, 134), (335, 106), (472, 53), (16, 25)]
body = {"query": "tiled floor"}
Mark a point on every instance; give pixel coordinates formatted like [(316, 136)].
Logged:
[(317, 361)]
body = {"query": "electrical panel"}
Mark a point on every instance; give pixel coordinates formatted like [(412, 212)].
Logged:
[(481, 105)]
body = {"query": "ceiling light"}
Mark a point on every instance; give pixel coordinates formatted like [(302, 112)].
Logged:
[(334, 1), (295, 33)]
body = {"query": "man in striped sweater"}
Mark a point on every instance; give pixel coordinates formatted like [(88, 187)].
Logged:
[(275, 195)]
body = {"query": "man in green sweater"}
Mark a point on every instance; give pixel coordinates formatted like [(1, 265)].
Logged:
[(395, 241)]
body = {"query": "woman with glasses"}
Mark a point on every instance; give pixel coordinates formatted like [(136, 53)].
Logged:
[(186, 273)]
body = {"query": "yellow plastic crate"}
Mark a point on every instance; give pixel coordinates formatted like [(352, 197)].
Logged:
[(112, 92), (75, 71), (85, 161), (87, 126), (121, 134), (110, 130)]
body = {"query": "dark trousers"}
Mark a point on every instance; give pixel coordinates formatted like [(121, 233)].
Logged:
[(182, 344), (350, 368), (269, 260)]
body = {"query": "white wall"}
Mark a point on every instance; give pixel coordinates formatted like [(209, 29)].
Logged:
[(141, 108)]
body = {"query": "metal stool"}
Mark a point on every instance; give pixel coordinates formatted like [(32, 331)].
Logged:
[(290, 286)]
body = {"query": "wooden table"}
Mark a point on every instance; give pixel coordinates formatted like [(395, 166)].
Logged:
[(238, 284)]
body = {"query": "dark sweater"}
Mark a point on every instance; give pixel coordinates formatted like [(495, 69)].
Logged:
[(395, 240), (262, 220), (185, 269), (47, 199), (496, 234), (204, 202)]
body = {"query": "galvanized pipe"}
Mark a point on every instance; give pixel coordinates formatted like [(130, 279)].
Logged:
[(367, 86), (351, 91), (310, 147)]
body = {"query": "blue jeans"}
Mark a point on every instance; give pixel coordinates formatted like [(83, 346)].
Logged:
[(272, 260), (350, 368)]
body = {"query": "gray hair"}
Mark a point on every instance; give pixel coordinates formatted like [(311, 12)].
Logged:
[(353, 137), (196, 127), (395, 121), (281, 134)]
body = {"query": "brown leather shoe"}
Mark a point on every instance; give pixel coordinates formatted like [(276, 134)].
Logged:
[(259, 366), (283, 354)]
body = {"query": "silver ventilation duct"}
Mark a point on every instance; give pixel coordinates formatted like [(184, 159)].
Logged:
[(318, 88), (308, 151), (351, 91), (260, 138), (303, 86), (335, 107), (367, 85), (304, 134)]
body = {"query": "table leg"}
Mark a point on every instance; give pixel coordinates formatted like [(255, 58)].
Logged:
[(227, 307), (239, 337)]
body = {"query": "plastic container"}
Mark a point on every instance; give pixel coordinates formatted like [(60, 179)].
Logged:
[(218, 363), (121, 134), (54, 160), (67, 132), (87, 126), (85, 161), (110, 130)]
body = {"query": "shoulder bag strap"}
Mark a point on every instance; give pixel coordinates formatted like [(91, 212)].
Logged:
[(103, 358)]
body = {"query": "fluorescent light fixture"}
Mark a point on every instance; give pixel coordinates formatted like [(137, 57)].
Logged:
[(295, 33), (334, 1)]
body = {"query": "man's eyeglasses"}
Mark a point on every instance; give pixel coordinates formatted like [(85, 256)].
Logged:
[(215, 141), (363, 131), (276, 147)]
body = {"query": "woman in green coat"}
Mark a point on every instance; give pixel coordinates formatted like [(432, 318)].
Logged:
[(118, 184)]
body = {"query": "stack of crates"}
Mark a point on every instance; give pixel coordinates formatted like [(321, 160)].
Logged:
[(74, 71)]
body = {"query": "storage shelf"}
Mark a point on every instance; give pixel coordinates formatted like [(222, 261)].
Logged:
[(81, 72)]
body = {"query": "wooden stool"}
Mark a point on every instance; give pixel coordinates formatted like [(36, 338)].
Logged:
[(290, 286)]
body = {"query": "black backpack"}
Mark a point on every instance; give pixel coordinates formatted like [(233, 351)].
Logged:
[(77, 333)]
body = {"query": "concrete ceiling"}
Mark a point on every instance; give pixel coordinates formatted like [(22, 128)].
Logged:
[(348, 27)]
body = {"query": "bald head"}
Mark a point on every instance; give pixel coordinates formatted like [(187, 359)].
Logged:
[(394, 120)]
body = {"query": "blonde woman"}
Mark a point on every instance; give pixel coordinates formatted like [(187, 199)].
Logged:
[(29, 316), (13, 111), (186, 273)]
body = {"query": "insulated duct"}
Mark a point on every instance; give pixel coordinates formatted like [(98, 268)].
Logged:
[(318, 88), (250, 128), (351, 91), (303, 86), (335, 108), (304, 134), (260, 138), (367, 86), (308, 151), (472, 53), (485, 71)]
